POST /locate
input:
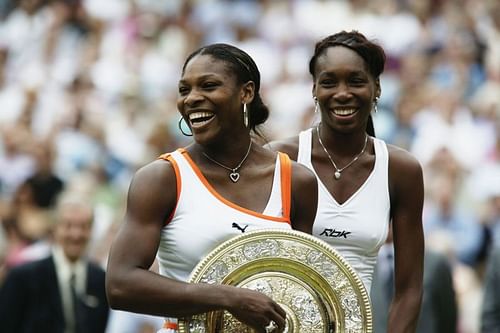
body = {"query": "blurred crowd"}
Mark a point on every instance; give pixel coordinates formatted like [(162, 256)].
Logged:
[(88, 90)]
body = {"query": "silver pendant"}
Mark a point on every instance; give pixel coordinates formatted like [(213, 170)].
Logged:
[(234, 176), (337, 175)]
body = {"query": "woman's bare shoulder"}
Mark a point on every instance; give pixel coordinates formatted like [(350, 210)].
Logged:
[(160, 170), (289, 146), (405, 171), (154, 184), (402, 159)]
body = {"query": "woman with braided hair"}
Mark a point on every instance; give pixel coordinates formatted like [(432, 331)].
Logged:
[(183, 205), (364, 183)]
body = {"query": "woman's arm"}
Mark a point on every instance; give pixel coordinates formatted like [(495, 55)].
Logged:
[(407, 195), (132, 287), (304, 198)]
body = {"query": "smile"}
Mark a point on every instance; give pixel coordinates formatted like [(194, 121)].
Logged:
[(198, 119), (344, 112)]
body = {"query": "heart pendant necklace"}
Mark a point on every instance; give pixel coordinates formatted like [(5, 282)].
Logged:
[(234, 175)]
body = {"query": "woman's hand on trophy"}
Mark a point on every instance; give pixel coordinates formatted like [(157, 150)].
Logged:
[(256, 310)]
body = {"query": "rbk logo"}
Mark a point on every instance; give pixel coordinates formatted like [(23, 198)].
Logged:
[(236, 226), (334, 233)]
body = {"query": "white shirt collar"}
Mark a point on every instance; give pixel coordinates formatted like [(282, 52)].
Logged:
[(65, 268)]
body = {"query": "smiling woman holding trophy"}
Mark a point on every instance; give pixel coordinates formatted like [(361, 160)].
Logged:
[(186, 203)]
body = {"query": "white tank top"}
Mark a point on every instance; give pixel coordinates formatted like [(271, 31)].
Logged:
[(204, 219), (358, 227)]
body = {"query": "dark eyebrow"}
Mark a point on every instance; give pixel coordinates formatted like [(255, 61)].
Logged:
[(360, 72), (203, 77), (354, 72), (327, 74)]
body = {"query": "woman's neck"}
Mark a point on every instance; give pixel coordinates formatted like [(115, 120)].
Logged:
[(341, 144)]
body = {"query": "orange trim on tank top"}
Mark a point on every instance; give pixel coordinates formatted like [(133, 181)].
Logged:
[(170, 325), (285, 218), (178, 182), (286, 184)]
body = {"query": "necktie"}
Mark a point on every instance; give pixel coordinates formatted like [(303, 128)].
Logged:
[(77, 305)]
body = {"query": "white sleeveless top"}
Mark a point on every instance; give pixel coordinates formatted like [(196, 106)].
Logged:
[(203, 219), (358, 227)]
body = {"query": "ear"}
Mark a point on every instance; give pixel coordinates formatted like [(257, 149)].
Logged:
[(313, 90), (248, 92)]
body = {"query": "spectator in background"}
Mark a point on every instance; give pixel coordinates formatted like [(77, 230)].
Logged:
[(446, 218), (63, 292), (439, 310), (32, 206), (15, 239), (490, 312), (16, 162), (44, 185), (492, 218)]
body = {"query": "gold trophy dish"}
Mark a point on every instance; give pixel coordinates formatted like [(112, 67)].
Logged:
[(319, 291)]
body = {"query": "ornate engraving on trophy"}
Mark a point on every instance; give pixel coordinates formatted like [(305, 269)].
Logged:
[(314, 285)]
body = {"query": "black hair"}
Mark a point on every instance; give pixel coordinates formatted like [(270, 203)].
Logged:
[(245, 70), (372, 53)]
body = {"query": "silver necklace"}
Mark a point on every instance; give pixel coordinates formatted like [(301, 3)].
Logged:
[(338, 171), (234, 175)]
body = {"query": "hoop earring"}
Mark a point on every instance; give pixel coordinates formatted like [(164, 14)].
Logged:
[(316, 105), (375, 102), (245, 114), (180, 127)]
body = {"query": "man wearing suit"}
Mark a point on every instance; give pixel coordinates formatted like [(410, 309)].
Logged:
[(438, 312), (63, 293), (490, 312)]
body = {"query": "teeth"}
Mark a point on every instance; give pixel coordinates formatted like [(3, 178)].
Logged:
[(198, 115), (346, 112)]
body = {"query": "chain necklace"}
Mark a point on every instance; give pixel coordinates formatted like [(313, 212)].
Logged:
[(234, 175), (338, 171)]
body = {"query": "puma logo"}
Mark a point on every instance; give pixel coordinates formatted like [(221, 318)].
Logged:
[(236, 226)]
